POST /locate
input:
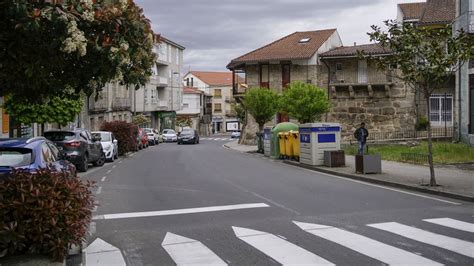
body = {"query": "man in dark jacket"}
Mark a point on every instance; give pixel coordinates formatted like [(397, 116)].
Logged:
[(361, 135)]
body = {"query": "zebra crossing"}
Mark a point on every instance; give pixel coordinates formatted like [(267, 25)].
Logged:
[(186, 251), (218, 139), (189, 251)]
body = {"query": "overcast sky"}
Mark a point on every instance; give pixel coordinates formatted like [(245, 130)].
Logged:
[(217, 31)]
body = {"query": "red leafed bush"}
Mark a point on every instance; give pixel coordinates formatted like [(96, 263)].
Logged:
[(126, 134), (43, 213)]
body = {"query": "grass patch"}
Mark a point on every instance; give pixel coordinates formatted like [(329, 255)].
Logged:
[(443, 152)]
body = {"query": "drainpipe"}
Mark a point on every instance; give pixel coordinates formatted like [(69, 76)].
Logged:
[(329, 80)]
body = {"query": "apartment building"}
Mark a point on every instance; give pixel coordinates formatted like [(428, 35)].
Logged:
[(162, 97)]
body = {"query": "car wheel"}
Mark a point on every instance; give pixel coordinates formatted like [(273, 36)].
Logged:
[(84, 165), (100, 161)]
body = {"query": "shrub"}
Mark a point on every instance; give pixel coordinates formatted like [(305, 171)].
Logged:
[(126, 134), (43, 213), (422, 123)]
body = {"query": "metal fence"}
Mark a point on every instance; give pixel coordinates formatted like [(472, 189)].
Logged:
[(395, 135), (415, 158)]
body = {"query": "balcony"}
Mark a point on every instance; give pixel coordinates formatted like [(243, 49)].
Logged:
[(158, 81), (465, 21), (98, 106), (121, 104)]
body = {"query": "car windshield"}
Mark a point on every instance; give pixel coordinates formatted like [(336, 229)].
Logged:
[(187, 132), (60, 136), (148, 130), (15, 157), (169, 131), (102, 135)]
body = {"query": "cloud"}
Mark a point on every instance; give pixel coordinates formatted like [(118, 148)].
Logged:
[(216, 31)]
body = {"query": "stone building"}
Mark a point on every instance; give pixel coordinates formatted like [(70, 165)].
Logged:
[(197, 107), (360, 92), (291, 58)]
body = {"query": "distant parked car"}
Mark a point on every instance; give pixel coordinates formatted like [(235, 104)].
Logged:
[(79, 146), (188, 136), (169, 135), (31, 155), (235, 134), (109, 144), (152, 136), (142, 139)]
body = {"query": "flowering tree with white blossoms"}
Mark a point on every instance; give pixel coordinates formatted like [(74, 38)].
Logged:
[(61, 48)]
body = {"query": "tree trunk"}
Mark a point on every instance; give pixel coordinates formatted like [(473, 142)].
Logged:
[(430, 143)]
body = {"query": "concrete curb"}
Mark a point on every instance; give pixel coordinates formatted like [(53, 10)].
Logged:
[(384, 182)]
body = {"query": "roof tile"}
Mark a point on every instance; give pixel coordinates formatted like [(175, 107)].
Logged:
[(287, 48)]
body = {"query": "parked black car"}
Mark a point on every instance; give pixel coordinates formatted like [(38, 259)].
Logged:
[(79, 147), (188, 136)]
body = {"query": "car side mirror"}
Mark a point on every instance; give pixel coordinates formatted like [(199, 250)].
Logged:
[(115, 141)]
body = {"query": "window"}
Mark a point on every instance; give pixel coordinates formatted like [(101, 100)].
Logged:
[(441, 109), (265, 76), (192, 82), (304, 40), (185, 105), (217, 93), (338, 67), (47, 153), (187, 82), (15, 157), (217, 107), (55, 151)]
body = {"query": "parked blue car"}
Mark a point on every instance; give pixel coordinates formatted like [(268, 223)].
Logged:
[(31, 155)]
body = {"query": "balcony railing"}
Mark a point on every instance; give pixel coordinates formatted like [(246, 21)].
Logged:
[(465, 21), (352, 77), (157, 81), (121, 104), (97, 106)]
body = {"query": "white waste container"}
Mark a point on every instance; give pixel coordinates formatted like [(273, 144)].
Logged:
[(315, 138)]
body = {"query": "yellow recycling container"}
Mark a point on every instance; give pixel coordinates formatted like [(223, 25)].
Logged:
[(295, 143), (289, 146), (281, 140)]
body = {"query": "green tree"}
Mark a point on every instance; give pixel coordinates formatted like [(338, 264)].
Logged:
[(262, 104), (48, 48), (426, 58), (141, 120), (305, 102), (239, 111), (61, 110)]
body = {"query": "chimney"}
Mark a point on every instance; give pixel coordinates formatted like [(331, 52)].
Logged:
[(355, 44)]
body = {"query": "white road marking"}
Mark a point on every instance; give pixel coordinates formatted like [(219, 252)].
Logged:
[(103, 178), (120, 162), (187, 251), (180, 211), (448, 222), (99, 190), (114, 166), (103, 253), (278, 249), (109, 171), (453, 244), (374, 185), (364, 245)]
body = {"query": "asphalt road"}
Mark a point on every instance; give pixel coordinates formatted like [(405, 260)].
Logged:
[(363, 224)]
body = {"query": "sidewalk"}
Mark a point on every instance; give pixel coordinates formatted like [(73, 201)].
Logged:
[(455, 182), (234, 145)]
